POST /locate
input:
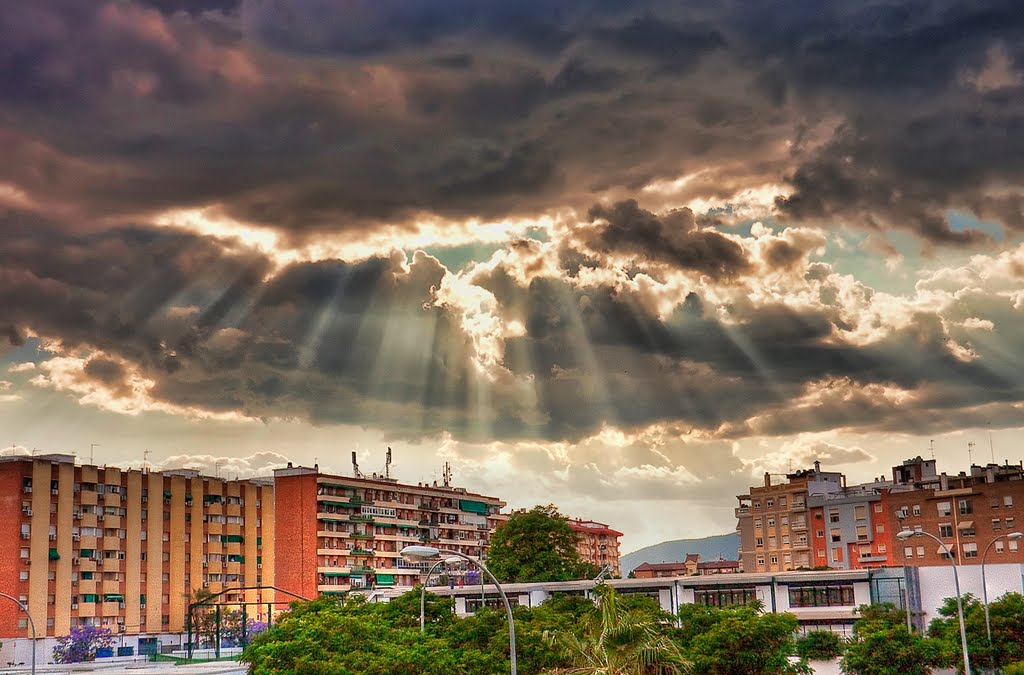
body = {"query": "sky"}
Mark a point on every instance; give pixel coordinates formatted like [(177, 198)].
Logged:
[(624, 257)]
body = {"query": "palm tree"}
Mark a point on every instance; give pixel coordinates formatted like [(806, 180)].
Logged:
[(619, 641)]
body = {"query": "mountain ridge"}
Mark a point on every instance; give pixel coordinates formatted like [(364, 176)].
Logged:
[(709, 548)]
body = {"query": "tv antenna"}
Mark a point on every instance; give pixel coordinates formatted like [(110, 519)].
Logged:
[(970, 452), (387, 465), (931, 444), (447, 475), (92, 453), (355, 467), (145, 459)]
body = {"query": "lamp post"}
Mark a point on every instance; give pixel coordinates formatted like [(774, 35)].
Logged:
[(31, 623), (427, 553), (423, 590), (907, 534), (1012, 536)]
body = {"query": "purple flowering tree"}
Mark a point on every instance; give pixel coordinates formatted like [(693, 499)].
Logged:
[(81, 644)]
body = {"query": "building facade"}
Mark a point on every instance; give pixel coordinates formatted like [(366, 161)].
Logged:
[(772, 520), (339, 533), (126, 549), (598, 544)]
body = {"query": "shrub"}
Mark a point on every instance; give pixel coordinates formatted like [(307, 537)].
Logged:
[(819, 645)]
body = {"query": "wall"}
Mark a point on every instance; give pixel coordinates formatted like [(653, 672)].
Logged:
[(937, 583)]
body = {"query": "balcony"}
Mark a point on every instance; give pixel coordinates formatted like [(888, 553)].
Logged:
[(361, 535), (428, 507), (361, 569), (361, 552), (359, 518)]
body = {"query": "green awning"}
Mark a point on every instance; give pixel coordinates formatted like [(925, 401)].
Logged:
[(167, 494), (236, 558), (473, 506), (86, 552), (113, 597), (385, 579), (231, 539), (334, 520), (335, 574), (54, 555), (90, 597), (337, 486)]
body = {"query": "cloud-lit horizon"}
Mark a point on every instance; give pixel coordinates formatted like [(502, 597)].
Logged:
[(623, 257)]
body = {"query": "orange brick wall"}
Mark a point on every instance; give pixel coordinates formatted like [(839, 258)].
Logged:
[(10, 546), (295, 544)]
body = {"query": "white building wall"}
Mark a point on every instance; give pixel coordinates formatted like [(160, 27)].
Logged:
[(937, 583)]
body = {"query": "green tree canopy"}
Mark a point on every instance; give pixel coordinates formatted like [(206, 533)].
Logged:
[(882, 645), (1007, 618), (537, 545), (738, 640)]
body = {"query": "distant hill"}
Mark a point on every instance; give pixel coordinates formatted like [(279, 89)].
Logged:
[(709, 548)]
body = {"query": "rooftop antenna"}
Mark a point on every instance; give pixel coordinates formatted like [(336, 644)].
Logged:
[(447, 475), (92, 453), (145, 459), (991, 447), (931, 444), (355, 467), (216, 467), (970, 452), (387, 464)]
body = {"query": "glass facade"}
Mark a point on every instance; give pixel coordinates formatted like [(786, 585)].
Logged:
[(821, 595)]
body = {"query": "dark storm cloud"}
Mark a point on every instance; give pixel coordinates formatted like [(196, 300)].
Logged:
[(624, 227), (326, 115)]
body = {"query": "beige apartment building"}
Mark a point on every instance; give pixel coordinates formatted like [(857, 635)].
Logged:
[(126, 549), (598, 544), (773, 520)]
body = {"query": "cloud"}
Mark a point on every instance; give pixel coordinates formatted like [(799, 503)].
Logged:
[(254, 465)]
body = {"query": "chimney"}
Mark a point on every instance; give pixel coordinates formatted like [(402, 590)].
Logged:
[(817, 466), (767, 479)]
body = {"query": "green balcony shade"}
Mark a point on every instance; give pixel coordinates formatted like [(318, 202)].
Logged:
[(472, 506), (231, 539), (90, 597), (113, 597), (385, 579), (54, 555)]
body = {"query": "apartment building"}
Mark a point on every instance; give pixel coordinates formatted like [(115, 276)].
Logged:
[(126, 549), (851, 527), (598, 544), (968, 512), (338, 533), (773, 520)]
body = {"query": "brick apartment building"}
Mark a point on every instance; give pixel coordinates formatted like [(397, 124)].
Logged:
[(88, 545), (855, 527), (691, 566), (340, 533), (598, 544)]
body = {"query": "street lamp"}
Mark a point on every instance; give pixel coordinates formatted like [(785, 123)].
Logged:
[(423, 588), (427, 553), (907, 534), (31, 623), (1012, 536)]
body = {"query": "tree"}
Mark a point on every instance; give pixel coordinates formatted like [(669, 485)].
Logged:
[(882, 645), (819, 645), (1007, 618), (81, 644), (739, 640), (620, 641), (537, 545)]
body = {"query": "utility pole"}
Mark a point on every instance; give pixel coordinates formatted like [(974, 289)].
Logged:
[(92, 453)]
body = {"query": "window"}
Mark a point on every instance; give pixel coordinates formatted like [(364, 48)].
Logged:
[(880, 528), (771, 521), (945, 530), (908, 551), (917, 509), (836, 534), (785, 540), (759, 542), (860, 512), (1008, 500), (945, 509), (784, 521), (882, 548), (757, 503), (833, 515), (970, 550), (757, 522), (999, 546), (878, 507), (965, 507), (837, 555), (1013, 544), (821, 595), (769, 503), (967, 528), (994, 502), (772, 542), (774, 559), (820, 534), (996, 524), (760, 562), (920, 551), (862, 533), (1009, 524), (725, 597), (782, 501)]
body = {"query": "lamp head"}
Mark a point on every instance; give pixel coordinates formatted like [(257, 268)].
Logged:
[(419, 553), (903, 535), (1015, 535)]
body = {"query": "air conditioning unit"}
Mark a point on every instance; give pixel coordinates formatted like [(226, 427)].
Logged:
[(28, 561), (74, 582), (26, 510), (77, 515), (259, 566), (75, 561), (74, 605), (53, 537), (53, 491), (76, 537), (26, 535)]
